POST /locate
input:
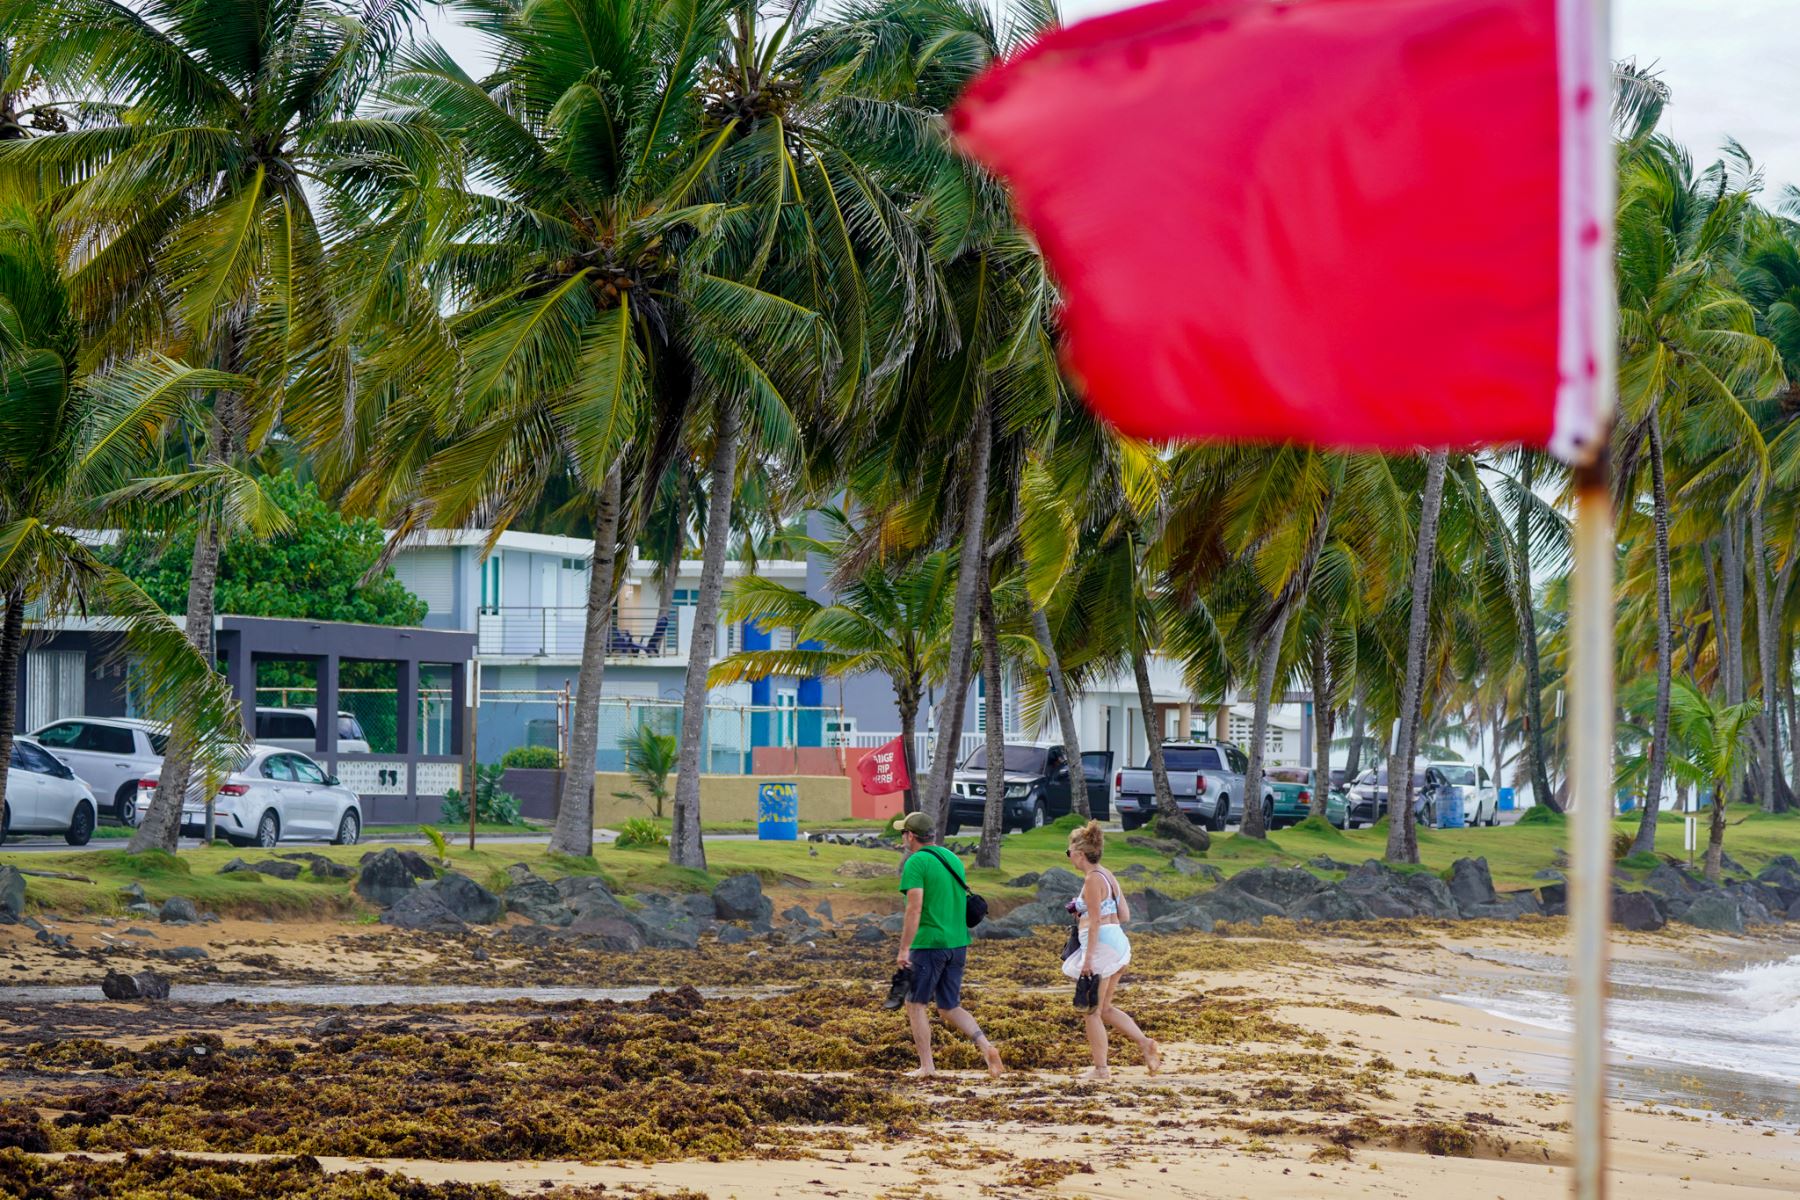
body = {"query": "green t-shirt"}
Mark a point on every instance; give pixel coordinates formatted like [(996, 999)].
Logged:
[(943, 918)]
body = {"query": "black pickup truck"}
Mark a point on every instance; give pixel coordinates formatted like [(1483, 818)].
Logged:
[(1038, 787)]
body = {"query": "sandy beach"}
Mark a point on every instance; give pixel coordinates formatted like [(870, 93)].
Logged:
[(1294, 1067)]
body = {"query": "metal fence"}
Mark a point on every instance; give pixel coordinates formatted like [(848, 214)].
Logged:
[(637, 632), (377, 711)]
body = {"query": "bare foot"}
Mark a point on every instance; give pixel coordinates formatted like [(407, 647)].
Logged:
[(922, 1073), (1097, 1075), (1153, 1057), (995, 1067)]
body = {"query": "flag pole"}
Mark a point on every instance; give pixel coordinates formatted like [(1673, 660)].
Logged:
[(1591, 620)]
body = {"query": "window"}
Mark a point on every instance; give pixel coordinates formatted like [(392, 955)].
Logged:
[(1021, 760), (686, 597), (278, 766), (28, 757), (288, 726), (1190, 758), (159, 743), (490, 583), (1239, 762), (63, 735), (787, 729), (107, 739), (306, 770), (840, 731), (348, 729)]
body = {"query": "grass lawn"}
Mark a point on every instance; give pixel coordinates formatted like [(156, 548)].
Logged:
[(1514, 854)]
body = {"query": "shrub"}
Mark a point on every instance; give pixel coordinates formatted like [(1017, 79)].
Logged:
[(532, 758), (649, 757), (640, 831), (1542, 814), (493, 803), (1317, 825)]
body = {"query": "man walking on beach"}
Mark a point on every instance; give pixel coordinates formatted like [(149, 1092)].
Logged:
[(934, 941)]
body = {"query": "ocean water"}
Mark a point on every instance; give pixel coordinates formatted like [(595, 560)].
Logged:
[(1692, 1035)]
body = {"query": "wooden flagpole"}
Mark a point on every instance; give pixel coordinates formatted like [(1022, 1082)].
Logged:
[(1591, 620)]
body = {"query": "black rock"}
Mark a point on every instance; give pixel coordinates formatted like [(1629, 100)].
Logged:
[(273, 868), (1192, 918), (1282, 887), (334, 1024), (468, 900), (184, 953), (1237, 907), (1554, 898), (608, 933), (145, 985), (536, 900), (1059, 885), (132, 893), (700, 906), (1332, 904), (1718, 911), (893, 922), (1391, 893), (12, 895), (143, 909), (385, 878), (1325, 862), (869, 935), (1672, 881), (416, 863), (321, 866), (740, 898), (422, 908), (178, 908), (33, 924), (733, 935), (134, 931), (1471, 885), (1028, 879), (1159, 904), (1550, 873), (795, 915), (1192, 867), (1637, 911), (669, 929), (1135, 872)]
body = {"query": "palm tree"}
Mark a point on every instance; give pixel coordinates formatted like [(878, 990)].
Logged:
[(641, 267), (192, 186), (895, 620), (1688, 342), (1403, 843), (1714, 735), (67, 437)]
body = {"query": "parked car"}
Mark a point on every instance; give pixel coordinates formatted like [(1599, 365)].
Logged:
[(1367, 802), (44, 796), (275, 795), (298, 729), (1287, 798), (1038, 786), (1480, 799), (109, 754), (1204, 776)]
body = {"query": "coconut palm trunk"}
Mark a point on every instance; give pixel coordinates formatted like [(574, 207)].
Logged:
[(1171, 822), (1769, 723), (1324, 720), (1715, 833), (993, 812), (1644, 841), (1534, 681), (1403, 837), (161, 827), (574, 832), (1065, 713), (1268, 659), (934, 798), (12, 639), (906, 699), (685, 849)]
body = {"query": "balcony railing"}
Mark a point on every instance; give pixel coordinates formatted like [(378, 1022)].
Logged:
[(557, 631)]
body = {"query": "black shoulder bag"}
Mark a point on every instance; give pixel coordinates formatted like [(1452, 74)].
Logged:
[(974, 906)]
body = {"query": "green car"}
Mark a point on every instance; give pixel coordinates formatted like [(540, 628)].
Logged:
[(1337, 806), (1287, 795)]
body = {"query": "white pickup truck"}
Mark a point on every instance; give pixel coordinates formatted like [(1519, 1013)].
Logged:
[(1207, 779)]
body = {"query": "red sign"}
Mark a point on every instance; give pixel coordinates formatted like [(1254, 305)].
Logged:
[(883, 769), (1354, 223)]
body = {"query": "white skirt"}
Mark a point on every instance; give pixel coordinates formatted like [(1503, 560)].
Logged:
[(1110, 956)]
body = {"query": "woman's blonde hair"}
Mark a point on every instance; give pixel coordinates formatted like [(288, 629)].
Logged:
[(1089, 839)]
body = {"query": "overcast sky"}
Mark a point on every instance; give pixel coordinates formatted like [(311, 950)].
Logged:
[(1731, 64)]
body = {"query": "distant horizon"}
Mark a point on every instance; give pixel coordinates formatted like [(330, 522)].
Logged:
[(1729, 72)]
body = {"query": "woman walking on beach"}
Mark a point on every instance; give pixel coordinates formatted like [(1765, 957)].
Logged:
[(1100, 910)]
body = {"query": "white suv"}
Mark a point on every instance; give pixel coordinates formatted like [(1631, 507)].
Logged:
[(110, 755), (297, 729)]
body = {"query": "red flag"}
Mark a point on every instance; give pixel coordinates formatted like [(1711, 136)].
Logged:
[(883, 769), (1355, 223)]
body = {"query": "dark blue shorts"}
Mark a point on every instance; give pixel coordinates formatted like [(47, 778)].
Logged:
[(937, 977)]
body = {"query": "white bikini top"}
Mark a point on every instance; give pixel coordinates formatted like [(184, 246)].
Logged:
[(1109, 907)]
